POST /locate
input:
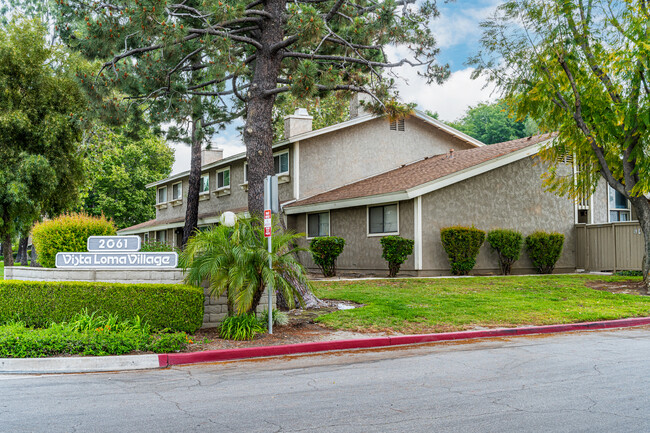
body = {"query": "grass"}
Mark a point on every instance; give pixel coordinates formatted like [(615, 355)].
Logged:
[(451, 304), (2, 270)]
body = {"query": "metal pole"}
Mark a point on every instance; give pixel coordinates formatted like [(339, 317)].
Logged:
[(270, 291)]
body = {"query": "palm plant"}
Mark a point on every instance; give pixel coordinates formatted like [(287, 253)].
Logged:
[(235, 260)]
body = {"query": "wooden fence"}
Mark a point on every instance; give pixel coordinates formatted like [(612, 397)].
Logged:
[(609, 247)]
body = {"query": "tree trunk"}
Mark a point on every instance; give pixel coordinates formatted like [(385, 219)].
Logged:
[(642, 208), (6, 250), (309, 299), (33, 262), (22, 251), (194, 185), (258, 131)]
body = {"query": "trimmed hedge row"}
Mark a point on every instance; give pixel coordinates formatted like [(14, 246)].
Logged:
[(164, 306)]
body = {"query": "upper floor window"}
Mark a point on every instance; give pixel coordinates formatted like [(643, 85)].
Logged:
[(177, 191), (619, 206), (281, 163), (162, 195), (223, 178), (245, 172), (318, 224), (383, 219), (205, 183)]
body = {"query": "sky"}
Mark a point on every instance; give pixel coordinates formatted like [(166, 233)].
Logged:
[(457, 32)]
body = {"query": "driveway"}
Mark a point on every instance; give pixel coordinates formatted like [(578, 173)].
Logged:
[(589, 381)]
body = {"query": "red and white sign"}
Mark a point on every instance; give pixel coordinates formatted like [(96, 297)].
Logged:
[(267, 223)]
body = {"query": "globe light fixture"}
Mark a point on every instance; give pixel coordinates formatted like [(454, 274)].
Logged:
[(228, 219)]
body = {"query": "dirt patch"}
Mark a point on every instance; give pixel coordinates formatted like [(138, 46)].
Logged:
[(300, 329), (630, 287)]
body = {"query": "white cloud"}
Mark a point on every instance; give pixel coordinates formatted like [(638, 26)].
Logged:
[(459, 24)]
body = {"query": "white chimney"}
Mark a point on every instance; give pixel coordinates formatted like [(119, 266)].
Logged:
[(356, 109), (297, 123), (208, 156)]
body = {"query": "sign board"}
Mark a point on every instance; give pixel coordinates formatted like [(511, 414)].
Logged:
[(271, 197), (115, 252), (113, 243)]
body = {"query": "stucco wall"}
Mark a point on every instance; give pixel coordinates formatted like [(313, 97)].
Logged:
[(237, 199), (599, 203), (362, 253), (508, 197), (370, 148)]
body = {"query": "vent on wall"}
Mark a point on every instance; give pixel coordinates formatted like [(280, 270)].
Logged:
[(397, 125)]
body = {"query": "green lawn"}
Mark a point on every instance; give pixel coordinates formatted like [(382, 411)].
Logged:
[(440, 305)]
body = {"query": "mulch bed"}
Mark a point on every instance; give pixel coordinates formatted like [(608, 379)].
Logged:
[(630, 287)]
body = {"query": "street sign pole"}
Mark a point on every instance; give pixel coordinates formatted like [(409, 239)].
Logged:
[(271, 205)]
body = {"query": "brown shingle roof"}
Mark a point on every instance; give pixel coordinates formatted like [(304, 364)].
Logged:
[(422, 171)]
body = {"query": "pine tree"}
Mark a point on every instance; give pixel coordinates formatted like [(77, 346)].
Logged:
[(253, 50)]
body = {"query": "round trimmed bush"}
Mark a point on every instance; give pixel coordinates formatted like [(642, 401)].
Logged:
[(396, 250), (507, 244), (544, 250), (324, 251), (462, 245), (67, 233)]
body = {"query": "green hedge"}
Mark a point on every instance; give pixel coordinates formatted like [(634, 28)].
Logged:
[(174, 306), (462, 245), (396, 250), (544, 250), (507, 244), (324, 251), (67, 233)]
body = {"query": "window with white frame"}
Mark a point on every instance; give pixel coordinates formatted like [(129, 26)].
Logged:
[(223, 178), (619, 207), (162, 195), (161, 236), (245, 172), (177, 191), (146, 237), (205, 183), (383, 219), (318, 224), (281, 163)]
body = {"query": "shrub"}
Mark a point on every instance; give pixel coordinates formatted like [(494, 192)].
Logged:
[(241, 327), (280, 318), (507, 244), (462, 245), (396, 250), (629, 273), (324, 251), (157, 247), (67, 233), (37, 303), (19, 341), (544, 250)]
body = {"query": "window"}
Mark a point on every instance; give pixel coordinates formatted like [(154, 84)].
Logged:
[(162, 195), (383, 219), (177, 191), (223, 178), (281, 163), (318, 224), (245, 172), (161, 236), (205, 183), (619, 208), (146, 238)]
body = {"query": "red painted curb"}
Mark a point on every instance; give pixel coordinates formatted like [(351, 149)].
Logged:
[(169, 359)]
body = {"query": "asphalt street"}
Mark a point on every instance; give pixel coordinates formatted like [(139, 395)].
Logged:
[(577, 382)]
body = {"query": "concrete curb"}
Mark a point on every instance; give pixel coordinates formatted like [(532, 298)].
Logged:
[(167, 360), (146, 362), (86, 364)]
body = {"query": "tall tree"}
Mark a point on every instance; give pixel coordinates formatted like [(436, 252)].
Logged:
[(494, 123), (260, 49), (580, 68), (117, 169), (40, 128)]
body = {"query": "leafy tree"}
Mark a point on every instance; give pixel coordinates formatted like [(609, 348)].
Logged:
[(254, 50), (117, 170), (493, 123), (235, 261), (40, 105), (580, 69)]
